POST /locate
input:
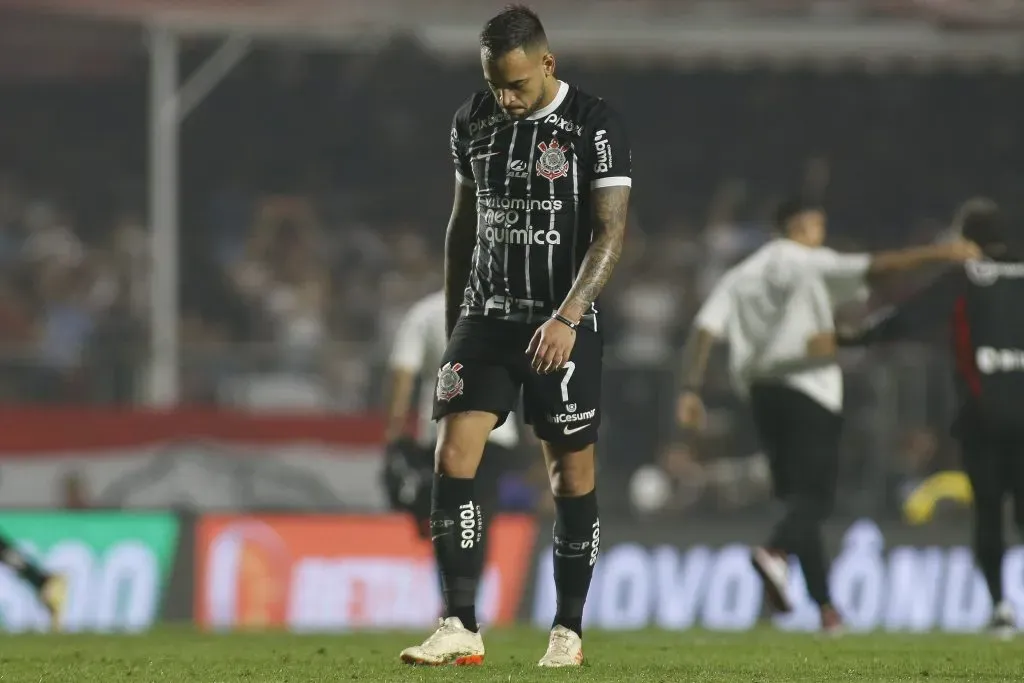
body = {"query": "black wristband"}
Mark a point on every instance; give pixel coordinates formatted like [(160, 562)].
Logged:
[(565, 321)]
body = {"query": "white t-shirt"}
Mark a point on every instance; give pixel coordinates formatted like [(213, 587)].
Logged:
[(771, 304), (419, 347)]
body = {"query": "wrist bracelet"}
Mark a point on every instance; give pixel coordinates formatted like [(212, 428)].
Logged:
[(565, 321)]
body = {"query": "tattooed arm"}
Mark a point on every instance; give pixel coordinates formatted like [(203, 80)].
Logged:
[(458, 252), (610, 207)]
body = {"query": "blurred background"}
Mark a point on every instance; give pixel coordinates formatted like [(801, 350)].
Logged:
[(214, 214)]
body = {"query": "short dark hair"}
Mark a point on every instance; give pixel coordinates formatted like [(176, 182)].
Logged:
[(980, 221), (517, 26), (793, 207)]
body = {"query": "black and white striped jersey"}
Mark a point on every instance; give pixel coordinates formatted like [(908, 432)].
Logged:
[(534, 178)]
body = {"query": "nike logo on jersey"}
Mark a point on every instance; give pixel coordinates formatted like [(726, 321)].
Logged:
[(485, 155), (572, 430)]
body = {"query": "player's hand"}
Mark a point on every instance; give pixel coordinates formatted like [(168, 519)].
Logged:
[(961, 250), (551, 346), (690, 411)]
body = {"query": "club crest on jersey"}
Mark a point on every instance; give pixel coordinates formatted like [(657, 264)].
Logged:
[(552, 163), (449, 383)]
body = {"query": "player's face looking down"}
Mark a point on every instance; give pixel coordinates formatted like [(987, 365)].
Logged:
[(807, 227), (520, 80)]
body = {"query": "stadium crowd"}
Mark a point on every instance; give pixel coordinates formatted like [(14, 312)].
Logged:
[(315, 193)]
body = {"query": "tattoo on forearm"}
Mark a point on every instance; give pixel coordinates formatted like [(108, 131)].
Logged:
[(611, 206), (695, 357)]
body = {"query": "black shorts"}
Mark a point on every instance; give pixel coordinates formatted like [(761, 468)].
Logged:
[(801, 439), (485, 367)]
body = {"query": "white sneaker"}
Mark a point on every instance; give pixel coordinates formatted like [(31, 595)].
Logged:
[(1004, 624), (451, 643), (565, 648), (774, 570)]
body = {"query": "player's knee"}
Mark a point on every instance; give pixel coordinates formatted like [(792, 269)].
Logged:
[(571, 474), (453, 459)]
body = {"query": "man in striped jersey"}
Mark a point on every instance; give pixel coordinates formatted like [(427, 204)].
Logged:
[(542, 189)]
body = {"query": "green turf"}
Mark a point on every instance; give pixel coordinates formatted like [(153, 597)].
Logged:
[(172, 656)]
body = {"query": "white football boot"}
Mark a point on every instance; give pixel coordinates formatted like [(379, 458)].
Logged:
[(1003, 624), (774, 571), (565, 648), (452, 643)]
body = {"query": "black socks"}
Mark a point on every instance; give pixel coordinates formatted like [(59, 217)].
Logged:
[(577, 539), (457, 531)]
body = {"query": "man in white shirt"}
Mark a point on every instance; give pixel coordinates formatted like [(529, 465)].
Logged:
[(418, 347), (776, 309)]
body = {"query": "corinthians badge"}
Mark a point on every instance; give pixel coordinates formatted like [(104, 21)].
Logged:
[(552, 163), (449, 383)]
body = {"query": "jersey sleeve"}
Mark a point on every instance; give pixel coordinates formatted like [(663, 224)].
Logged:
[(410, 345), (459, 145), (714, 315), (835, 266), (610, 156), (844, 274)]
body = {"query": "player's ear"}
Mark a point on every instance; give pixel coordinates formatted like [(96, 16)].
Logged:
[(548, 62)]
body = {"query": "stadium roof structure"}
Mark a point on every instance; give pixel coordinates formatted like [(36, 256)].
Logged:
[(733, 33), (878, 33)]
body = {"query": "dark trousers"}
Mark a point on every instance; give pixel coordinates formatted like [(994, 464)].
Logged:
[(801, 440), (994, 462)]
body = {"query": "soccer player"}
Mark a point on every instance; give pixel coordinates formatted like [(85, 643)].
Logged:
[(416, 355), (978, 308), (542, 189), (51, 589), (776, 309)]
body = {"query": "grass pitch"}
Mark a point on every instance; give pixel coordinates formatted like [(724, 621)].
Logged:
[(173, 656)]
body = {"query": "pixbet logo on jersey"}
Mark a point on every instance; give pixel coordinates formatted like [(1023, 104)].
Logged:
[(562, 124), (480, 124)]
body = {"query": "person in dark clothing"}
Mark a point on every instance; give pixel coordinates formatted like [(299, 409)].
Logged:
[(976, 306)]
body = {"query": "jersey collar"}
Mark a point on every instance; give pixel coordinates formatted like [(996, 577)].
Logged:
[(563, 90)]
